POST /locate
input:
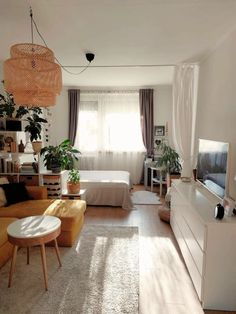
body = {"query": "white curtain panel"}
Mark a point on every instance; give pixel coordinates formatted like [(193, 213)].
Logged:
[(185, 87), (109, 133)]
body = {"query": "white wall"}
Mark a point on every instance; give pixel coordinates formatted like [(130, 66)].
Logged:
[(59, 119), (163, 107), (216, 115)]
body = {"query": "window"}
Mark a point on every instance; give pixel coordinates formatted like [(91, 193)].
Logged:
[(109, 133), (109, 122)]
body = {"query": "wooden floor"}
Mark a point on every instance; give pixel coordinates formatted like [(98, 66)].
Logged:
[(165, 285)]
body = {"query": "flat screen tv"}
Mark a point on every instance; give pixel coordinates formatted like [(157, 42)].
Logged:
[(212, 165)]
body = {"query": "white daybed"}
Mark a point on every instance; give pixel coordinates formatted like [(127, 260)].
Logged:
[(106, 188)]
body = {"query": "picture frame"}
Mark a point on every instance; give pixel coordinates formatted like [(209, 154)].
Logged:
[(159, 130)]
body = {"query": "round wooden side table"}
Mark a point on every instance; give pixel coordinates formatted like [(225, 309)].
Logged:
[(32, 231)]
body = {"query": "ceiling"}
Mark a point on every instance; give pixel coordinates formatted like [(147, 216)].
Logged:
[(120, 32)]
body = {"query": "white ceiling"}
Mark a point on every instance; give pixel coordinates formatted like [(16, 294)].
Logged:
[(120, 32)]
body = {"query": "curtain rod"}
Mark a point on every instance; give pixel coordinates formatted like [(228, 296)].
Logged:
[(113, 91), (122, 66)]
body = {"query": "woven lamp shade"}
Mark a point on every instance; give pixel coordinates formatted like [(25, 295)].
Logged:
[(32, 76)]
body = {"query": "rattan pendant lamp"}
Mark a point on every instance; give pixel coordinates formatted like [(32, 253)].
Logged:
[(31, 75)]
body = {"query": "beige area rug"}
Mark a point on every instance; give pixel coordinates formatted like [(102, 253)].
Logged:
[(145, 198), (99, 275)]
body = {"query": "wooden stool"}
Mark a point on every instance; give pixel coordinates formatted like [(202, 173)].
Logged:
[(32, 231)]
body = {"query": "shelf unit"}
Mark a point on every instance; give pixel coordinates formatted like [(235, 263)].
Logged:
[(53, 183), (14, 164)]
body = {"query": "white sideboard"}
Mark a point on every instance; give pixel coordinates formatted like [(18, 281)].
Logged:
[(208, 245)]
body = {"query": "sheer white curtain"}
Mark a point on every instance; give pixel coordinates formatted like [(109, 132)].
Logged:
[(109, 133), (184, 114)]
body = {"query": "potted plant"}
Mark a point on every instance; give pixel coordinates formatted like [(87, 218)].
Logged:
[(12, 115), (34, 128), (7, 110), (60, 157), (73, 182), (168, 159)]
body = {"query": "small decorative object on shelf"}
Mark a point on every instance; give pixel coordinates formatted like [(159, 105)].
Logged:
[(2, 143), (21, 147)]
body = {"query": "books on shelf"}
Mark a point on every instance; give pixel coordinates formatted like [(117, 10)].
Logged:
[(29, 167), (7, 165)]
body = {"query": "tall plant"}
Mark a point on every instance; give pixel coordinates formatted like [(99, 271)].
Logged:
[(169, 158)]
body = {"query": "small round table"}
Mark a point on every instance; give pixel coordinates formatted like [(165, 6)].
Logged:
[(32, 231)]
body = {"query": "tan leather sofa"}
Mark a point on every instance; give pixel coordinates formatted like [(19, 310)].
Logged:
[(70, 212)]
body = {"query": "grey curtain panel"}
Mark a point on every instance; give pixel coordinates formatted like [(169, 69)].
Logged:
[(146, 115), (74, 99)]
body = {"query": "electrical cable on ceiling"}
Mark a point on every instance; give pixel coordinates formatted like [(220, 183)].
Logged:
[(123, 66), (64, 67), (40, 35)]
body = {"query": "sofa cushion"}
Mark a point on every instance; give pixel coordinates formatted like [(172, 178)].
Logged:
[(69, 211), (15, 192), (37, 192)]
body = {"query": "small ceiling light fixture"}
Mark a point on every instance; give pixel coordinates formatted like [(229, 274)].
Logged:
[(89, 56), (31, 75)]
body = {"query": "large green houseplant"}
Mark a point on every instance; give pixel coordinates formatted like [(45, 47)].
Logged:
[(168, 159), (60, 157)]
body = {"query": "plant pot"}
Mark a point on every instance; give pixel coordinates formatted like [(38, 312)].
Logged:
[(37, 146), (55, 168), (55, 165), (73, 188)]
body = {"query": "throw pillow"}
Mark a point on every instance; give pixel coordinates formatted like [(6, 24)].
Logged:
[(3, 200), (15, 192), (4, 180)]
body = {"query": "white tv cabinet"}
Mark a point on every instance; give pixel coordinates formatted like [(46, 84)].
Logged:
[(208, 245)]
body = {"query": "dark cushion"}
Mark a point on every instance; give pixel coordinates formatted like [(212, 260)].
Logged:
[(15, 193)]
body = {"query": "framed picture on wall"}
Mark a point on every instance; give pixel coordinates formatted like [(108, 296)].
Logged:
[(159, 130)]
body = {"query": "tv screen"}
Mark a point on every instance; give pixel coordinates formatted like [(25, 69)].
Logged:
[(212, 165)]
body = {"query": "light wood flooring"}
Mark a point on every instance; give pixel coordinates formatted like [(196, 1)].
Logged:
[(165, 285)]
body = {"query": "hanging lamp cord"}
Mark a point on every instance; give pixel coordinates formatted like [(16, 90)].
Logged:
[(33, 23)]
